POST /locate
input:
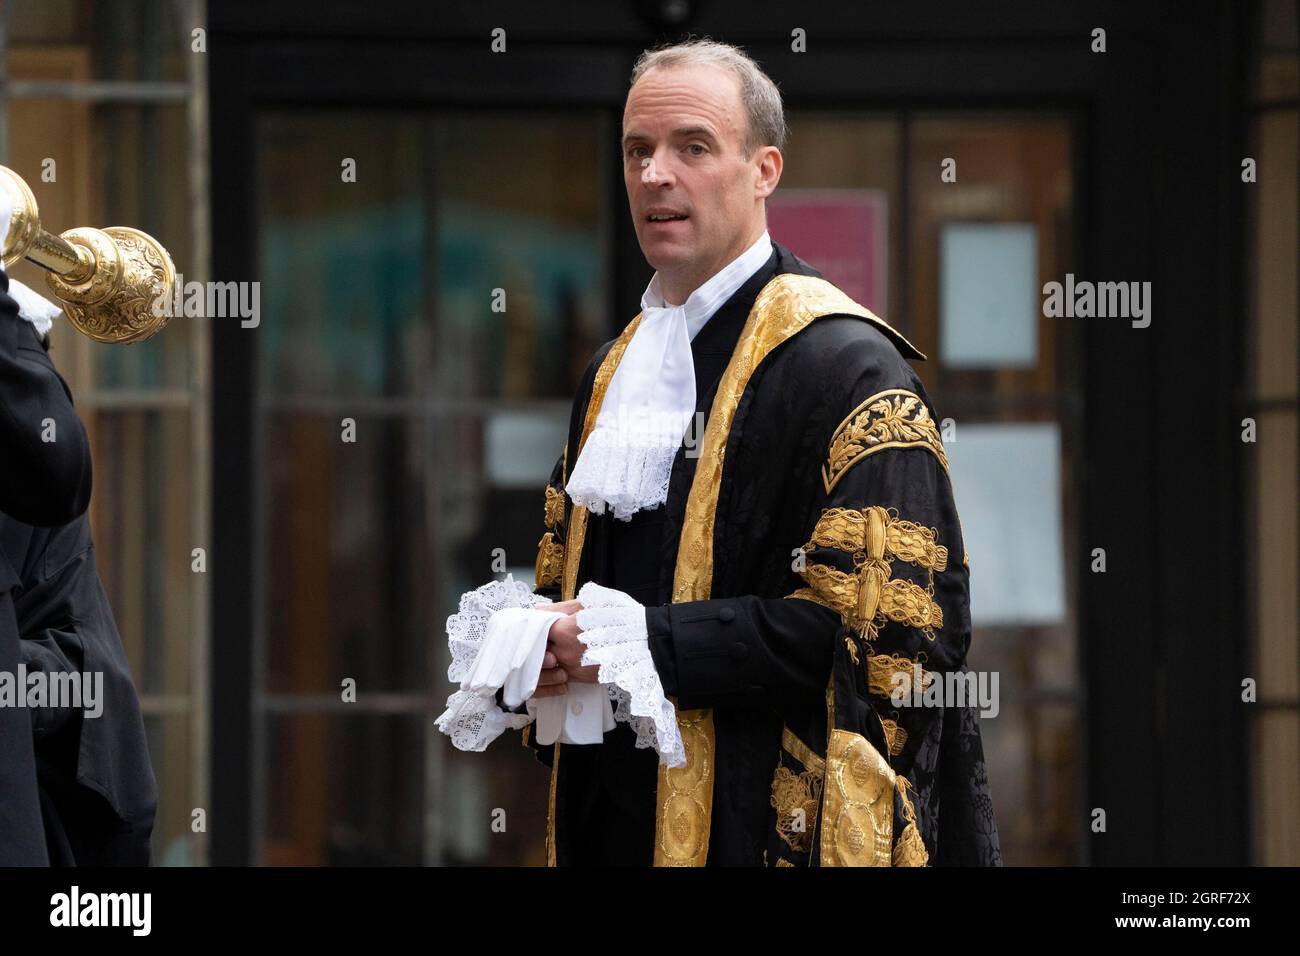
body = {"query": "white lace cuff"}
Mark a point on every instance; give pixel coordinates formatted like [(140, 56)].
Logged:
[(468, 626), (470, 720), (614, 630)]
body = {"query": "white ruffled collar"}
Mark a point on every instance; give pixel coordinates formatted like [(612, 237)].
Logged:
[(625, 465)]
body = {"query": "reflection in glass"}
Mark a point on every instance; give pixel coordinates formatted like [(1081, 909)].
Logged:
[(171, 746), (1012, 172), (343, 790), (423, 330), (348, 564), (140, 517)]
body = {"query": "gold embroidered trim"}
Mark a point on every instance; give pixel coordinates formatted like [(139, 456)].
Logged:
[(550, 807), (858, 808), (578, 532), (910, 542), (578, 516), (842, 528), (794, 791), (862, 599), (801, 752), (782, 861), (846, 529), (912, 605), (554, 513), (550, 561), (895, 736), (573, 552), (894, 418), (786, 305), (796, 797), (836, 590), (881, 679), (910, 849), (685, 796), (874, 537)]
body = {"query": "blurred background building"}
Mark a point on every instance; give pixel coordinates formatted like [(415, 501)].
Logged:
[(475, 171)]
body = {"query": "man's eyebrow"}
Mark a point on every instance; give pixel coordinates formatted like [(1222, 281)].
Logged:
[(685, 131)]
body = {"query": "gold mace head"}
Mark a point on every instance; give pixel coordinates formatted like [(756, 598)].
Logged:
[(115, 283)]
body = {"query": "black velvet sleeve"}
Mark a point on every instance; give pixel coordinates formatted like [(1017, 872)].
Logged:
[(742, 650)]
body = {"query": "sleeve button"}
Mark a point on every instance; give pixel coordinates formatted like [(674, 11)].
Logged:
[(726, 615)]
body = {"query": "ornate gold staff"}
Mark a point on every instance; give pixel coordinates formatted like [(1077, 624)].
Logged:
[(107, 279)]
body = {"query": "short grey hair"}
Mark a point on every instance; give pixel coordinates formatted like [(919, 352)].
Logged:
[(761, 98)]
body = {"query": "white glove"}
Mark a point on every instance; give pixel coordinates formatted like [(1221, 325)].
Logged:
[(515, 637)]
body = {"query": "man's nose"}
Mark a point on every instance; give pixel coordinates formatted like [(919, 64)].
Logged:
[(655, 170)]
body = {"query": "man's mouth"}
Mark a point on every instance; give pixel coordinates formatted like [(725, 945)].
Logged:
[(665, 216)]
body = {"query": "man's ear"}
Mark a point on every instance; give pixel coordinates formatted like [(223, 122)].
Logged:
[(769, 171)]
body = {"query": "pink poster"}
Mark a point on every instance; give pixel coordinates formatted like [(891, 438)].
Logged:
[(843, 233)]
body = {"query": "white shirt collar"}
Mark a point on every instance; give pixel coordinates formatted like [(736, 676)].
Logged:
[(708, 298)]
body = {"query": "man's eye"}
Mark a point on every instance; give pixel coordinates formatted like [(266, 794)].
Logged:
[(696, 149), (636, 152)]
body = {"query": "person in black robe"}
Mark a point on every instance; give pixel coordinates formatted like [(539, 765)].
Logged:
[(807, 563), (761, 662), (95, 781), (45, 480)]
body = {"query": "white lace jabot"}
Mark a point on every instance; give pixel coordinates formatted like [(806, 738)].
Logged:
[(628, 457)]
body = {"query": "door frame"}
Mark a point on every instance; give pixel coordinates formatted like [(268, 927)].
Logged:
[(1163, 637)]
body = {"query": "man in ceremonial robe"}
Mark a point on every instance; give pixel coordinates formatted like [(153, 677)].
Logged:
[(763, 588), (45, 480)]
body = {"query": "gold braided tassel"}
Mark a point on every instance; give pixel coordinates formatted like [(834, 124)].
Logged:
[(895, 736), (910, 849)]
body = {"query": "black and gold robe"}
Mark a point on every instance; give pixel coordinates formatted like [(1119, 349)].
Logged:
[(809, 549)]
